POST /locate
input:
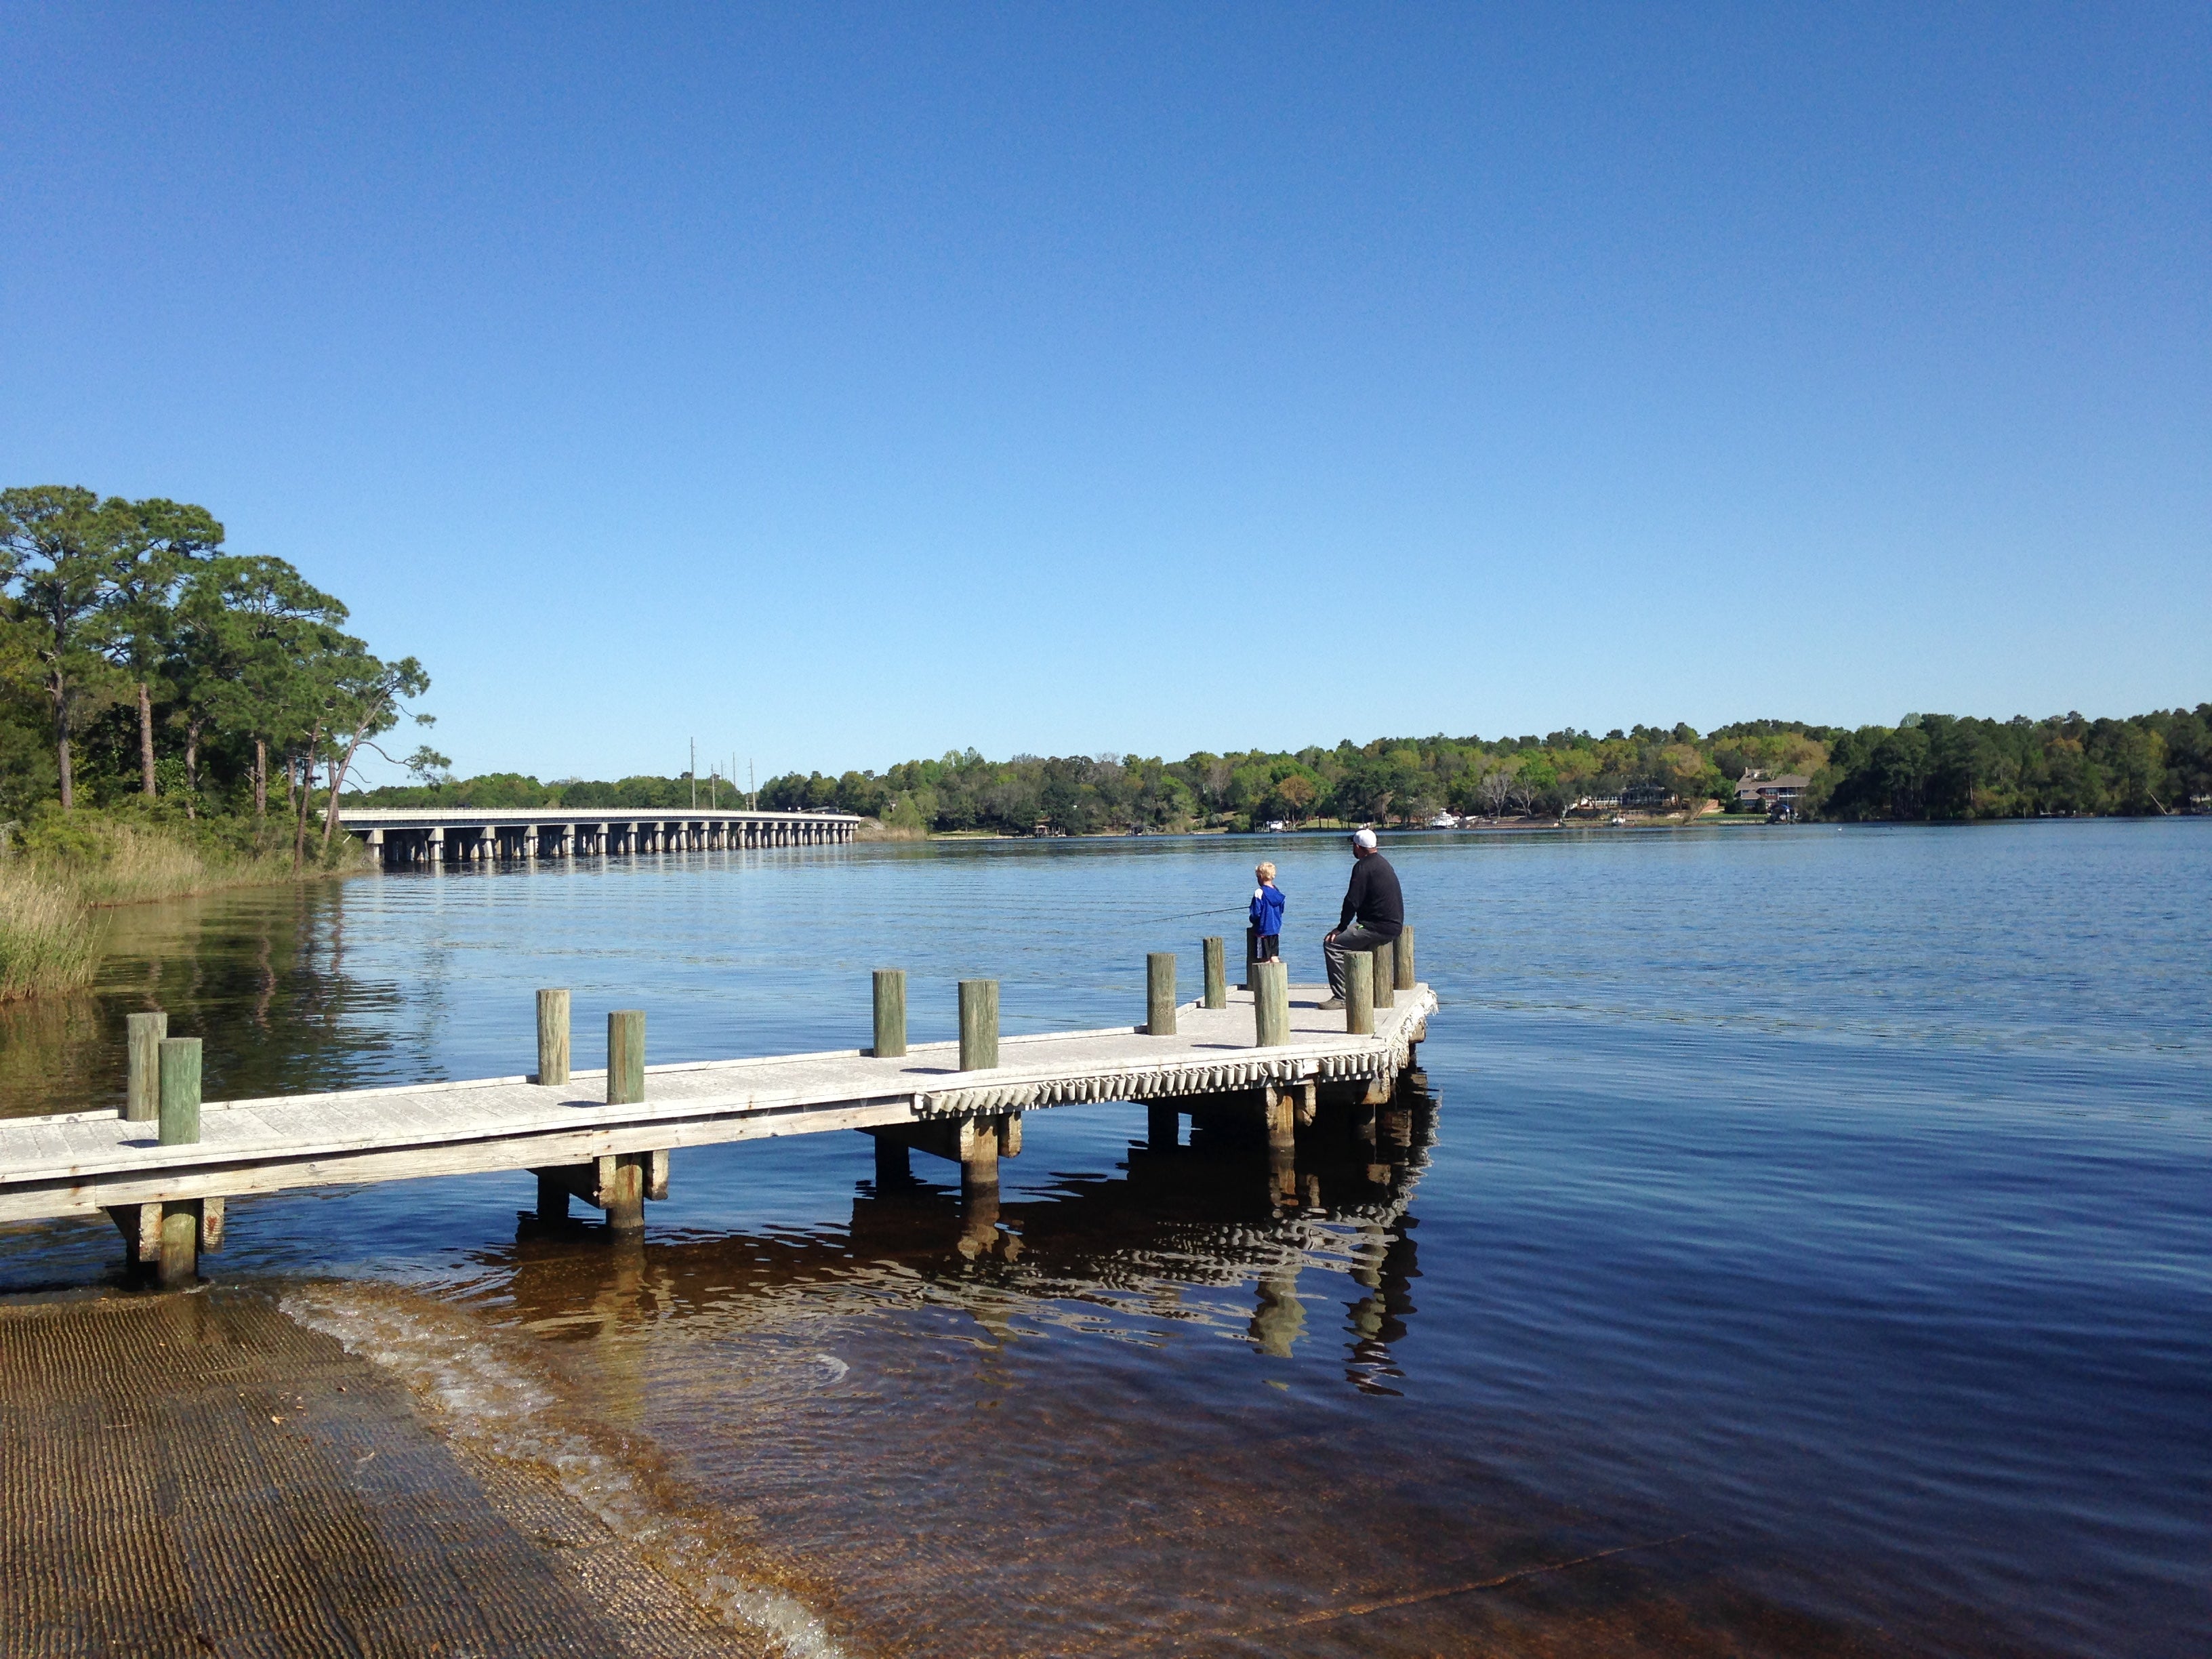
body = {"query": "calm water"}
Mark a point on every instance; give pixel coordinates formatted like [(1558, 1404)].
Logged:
[(1811, 1251)]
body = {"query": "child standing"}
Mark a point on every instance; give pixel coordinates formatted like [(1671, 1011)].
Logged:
[(1267, 916)]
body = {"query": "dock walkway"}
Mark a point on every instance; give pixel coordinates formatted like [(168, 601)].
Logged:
[(615, 1155)]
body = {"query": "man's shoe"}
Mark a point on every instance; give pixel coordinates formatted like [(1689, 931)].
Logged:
[(1334, 1002)]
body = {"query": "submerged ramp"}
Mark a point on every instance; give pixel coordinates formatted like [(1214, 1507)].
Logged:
[(194, 1474)]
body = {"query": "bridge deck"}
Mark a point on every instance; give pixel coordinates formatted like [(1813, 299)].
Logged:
[(82, 1162)]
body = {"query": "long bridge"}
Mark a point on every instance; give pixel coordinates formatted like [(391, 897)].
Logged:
[(400, 838), (1266, 1061)]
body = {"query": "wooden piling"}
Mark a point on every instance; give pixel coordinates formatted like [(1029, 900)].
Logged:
[(1359, 994), (1216, 952), (179, 1109), (979, 1144), (178, 1263), (979, 1028), (552, 1198), (1271, 1003), (1402, 955), (1162, 1125), (142, 1094), (626, 1057), (1160, 993), (553, 1037), (623, 1197), (1385, 974), (890, 1013)]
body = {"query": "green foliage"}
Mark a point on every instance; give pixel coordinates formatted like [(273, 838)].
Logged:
[(141, 663), (1937, 767)]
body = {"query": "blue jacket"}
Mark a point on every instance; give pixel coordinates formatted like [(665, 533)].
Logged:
[(1268, 910)]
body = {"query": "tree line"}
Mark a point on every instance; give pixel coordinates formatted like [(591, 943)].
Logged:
[(141, 661), (1927, 766)]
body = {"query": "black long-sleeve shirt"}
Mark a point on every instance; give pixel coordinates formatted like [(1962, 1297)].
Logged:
[(1374, 898)]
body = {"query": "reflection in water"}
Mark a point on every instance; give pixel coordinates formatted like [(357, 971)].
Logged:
[(1094, 1250), (261, 975)]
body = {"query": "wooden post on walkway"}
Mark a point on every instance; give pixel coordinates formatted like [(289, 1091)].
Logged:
[(1271, 1003), (979, 1024), (553, 1038), (626, 1057), (1386, 974), (1159, 993), (179, 1108), (890, 1013), (1402, 955), (1359, 994), (142, 1094), (180, 1085), (1217, 972)]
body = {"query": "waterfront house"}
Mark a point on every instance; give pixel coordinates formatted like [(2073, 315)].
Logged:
[(1755, 788)]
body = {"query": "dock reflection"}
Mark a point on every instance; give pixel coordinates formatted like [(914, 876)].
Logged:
[(1222, 1231)]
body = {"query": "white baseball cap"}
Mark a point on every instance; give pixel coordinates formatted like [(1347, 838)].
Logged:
[(1363, 838)]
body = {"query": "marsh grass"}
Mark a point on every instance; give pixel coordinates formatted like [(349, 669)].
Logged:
[(49, 939), (71, 865)]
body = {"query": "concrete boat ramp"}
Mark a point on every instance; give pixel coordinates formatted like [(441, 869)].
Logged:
[(608, 1139)]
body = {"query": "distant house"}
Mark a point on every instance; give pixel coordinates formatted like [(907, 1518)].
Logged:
[(1646, 797), (1755, 788)]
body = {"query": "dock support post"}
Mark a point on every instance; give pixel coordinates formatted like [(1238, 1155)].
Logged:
[(1385, 974), (626, 1057), (1402, 956), (1160, 993), (552, 1038), (180, 1126), (1271, 1003), (1217, 972), (890, 1013), (1360, 993), (1162, 1125), (552, 1199), (979, 1156), (979, 1027), (142, 1094), (625, 1196)]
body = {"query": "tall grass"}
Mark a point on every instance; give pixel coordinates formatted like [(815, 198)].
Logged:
[(71, 864), (49, 940)]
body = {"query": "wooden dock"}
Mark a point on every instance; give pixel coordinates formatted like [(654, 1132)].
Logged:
[(608, 1140)]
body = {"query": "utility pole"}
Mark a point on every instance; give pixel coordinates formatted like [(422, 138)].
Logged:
[(752, 795), (694, 774)]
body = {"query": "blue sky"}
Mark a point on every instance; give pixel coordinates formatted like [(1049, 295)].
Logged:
[(840, 385)]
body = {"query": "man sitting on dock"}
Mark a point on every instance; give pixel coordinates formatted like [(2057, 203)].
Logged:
[(1374, 902)]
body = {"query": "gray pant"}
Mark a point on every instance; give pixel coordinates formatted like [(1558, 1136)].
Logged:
[(1357, 937)]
